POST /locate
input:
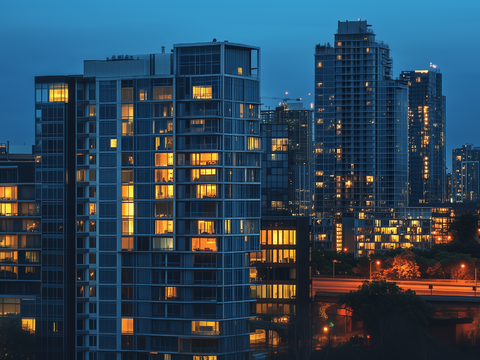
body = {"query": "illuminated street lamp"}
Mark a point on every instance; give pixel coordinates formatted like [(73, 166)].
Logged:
[(475, 266), (371, 261)]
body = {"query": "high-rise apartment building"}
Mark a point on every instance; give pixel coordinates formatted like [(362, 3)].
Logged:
[(361, 145), (465, 174), (20, 256), (287, 161), (150, 190), (426, 136)]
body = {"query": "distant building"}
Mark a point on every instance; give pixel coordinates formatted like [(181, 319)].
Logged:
[(287, 161), (149, 182), (466, 174), (20, 255), (361, 127), (426, 134)]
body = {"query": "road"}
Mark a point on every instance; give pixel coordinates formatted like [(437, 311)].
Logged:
[(421, 287)]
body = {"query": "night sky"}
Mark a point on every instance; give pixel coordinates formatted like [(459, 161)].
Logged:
[(54, 37)]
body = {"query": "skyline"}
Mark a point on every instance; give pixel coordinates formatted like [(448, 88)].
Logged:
[(53, 43)]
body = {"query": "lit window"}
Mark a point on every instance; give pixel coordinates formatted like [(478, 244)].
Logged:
[(239, 71), (127, 209), (127, 192), (127, 94), (204, 244), (170, 292), (319, 64), (92, 207), (202, 92), (279, 144), (127, 128), (127, 227), (368, 49), (81, 175), (418, 79), (163, 226), (241, 110), (206, 190), (58, 93), (205, 327), (127, 111), (339, 57), (113, 143), (164, 175), (142, 94), (205, 159), (319, 84), (93, 110), (127, 326), (127, 243), (204, 174), (163, 191), (163, 159), (339, 43), (253, 143), (28, 325), (206, 227)]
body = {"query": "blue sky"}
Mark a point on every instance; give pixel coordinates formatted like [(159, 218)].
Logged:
[(54, 37)]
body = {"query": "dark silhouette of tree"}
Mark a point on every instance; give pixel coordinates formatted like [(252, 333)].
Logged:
[(393, 317), (464, 228), (15, 342)]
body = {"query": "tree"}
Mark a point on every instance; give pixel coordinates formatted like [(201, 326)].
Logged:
[(464, 228), (404, 266), (15, 342), (393, 317)]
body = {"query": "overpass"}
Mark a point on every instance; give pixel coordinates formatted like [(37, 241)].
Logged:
[(434, 291)]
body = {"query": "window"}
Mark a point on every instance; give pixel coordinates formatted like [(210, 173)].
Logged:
[(127, 243), (163, 159), (202, 92), (163, 226), (319, 64), (163, 191), (127, 128), (205, 159), (279, 144), (93, 110), (204, 244), (339, 57), (418, 79), (162, 243), (205, 327), (92, 209), (127, 326), (164, 175), (162, 93), (113, 143), (127, 227), (58, 93), (81, 174), (253, 143), (127, 192), (204, 174), (206, 227), (206, 190), (127, 111), (127, 210), (239, 71)]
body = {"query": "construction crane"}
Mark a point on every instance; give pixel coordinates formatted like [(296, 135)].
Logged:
[(284, 100)]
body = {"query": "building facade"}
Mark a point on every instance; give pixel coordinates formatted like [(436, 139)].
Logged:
[(20, 251), (361, 145), (465, 174), (287, 161), (161, 202), (426, 136)]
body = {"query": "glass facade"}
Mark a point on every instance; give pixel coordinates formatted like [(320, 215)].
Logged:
[(426, 127), (361, 143), (465, 176), (287, 161), (166, 185)]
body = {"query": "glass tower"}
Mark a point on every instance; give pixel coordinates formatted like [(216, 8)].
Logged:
[(465, 176), (426, 134), (361, 146), (164, 169)]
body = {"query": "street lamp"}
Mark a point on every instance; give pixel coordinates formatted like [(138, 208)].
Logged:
[(371, 261), (475, 267), (334, 261)]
